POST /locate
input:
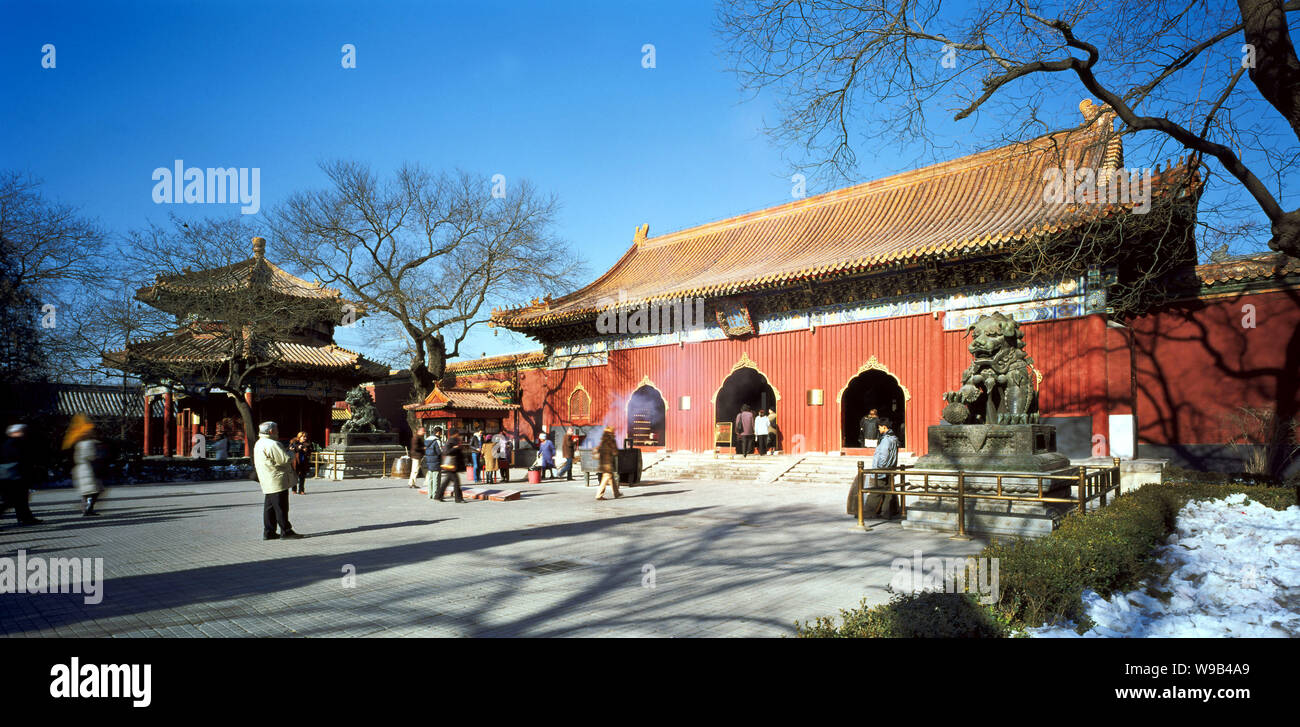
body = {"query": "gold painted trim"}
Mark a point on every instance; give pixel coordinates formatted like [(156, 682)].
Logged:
[(745, 362), (645, 381), (872, 364), (590, 401)]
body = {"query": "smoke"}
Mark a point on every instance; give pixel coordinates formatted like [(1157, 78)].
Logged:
[(613, 414)]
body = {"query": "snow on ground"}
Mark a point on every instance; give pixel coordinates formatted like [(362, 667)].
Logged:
[(1233, 570)]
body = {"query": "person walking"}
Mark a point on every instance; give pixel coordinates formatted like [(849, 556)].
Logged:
[(301, 449), (568, 448), (416, 452), (886, 457), (17, 475), (608, 456), (745, 429), (546, 450), (761, 430), (453, 463), (88, 462), (488, 452), (275, 474)]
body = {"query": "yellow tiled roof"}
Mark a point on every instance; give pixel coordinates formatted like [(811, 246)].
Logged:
[(972, 205)]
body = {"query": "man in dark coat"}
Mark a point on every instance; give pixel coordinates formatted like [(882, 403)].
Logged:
[(18, 472), (869, 429), (745, 430), (569, 448), (453, 463)]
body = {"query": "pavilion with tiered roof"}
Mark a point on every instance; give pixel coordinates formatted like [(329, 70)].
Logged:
[(296, 373)]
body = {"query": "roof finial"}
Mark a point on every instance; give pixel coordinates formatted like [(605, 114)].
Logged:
[(259, 247), (642, 232)]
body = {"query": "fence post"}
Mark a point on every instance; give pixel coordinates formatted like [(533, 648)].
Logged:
[(961, 507), (862, 496), (1117, 478), (1083, 486)]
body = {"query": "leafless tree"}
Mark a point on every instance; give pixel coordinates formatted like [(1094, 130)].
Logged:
[(431, 253), (50, 254), (1170, 69), (217, 332)]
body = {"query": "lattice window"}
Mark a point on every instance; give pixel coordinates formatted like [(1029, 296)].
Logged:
[(579, 404)]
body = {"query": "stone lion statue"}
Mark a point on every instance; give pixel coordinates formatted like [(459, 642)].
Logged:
[(999, 387), (365, 418)]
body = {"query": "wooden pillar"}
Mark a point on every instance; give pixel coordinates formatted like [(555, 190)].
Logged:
[(145, 451), (167, 425)]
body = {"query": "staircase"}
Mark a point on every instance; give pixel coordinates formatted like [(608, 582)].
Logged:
[(779, 468), (828, 468), (704, 466)]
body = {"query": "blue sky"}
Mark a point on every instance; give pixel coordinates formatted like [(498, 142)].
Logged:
[(552, 91)]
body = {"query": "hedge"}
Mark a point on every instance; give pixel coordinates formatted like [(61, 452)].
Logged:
[(1042, 581)]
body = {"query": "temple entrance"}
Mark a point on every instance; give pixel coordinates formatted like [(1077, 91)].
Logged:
[(872, 390), (645, 417), (743, 386)]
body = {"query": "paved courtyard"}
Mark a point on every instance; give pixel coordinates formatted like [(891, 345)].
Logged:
[(726, 559)]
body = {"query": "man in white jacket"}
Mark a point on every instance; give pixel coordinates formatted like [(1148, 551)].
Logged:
[(275, 474)]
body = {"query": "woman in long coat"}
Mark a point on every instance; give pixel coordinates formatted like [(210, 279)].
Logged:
[(608, 454), (301, 450), (488, 454), (547, 451), (87, 461)]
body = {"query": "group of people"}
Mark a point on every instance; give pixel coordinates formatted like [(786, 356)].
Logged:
[(756, 430), (20, 469), (440, 460)]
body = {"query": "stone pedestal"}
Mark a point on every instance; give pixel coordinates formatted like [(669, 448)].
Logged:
[(1007, 450), (360, 454), (993, 448)]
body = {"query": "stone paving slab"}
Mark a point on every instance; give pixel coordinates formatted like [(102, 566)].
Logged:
[(727, 558)]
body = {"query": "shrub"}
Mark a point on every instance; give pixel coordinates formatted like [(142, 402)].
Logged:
[(1042, 581), (1108, 550), (922, 615)]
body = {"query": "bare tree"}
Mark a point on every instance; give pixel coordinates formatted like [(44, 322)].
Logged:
[(433, 254), (220, 329), (50, 254), (1172, 68)]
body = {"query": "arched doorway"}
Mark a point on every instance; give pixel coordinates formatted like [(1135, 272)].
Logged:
[(743, 386), (872, 389), (645, 417)]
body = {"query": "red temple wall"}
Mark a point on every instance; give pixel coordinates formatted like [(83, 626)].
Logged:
[(1197, 363), (925, 359)]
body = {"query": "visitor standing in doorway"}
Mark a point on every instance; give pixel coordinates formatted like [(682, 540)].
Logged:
[(745, 430), (762, 427)]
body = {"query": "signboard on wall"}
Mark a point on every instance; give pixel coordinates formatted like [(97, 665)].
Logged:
[(722, 434)]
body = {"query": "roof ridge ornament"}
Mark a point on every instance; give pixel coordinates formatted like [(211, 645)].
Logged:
[(642, 232), (259, 247)]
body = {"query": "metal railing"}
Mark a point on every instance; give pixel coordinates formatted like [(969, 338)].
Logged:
[(357, 464), (1092, 482)]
